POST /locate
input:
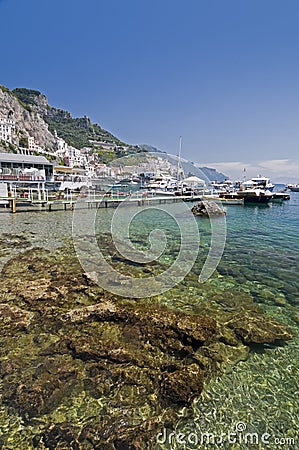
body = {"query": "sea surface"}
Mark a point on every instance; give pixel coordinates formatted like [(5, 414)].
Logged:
[(258, 396)]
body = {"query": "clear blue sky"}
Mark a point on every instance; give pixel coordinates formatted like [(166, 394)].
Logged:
[(221, 73)]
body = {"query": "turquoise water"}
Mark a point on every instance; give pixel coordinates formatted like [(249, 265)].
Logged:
[(260, 261), (262, 247), (260, 394)]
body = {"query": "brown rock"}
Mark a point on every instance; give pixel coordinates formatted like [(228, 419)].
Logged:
[(258, 329), (181, 384), (13, 318), (61, 436), (41, 391)]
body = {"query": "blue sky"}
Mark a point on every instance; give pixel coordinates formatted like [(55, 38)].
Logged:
[(223, 74)]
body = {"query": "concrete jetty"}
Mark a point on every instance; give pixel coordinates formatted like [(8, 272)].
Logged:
[(48, 202)]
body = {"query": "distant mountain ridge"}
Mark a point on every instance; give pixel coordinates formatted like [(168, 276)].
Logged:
[(190, 168)]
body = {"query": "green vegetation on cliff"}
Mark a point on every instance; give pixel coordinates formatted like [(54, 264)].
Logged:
[(78, 132), (26, 96)]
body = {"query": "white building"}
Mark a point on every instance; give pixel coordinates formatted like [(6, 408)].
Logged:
[(31, 143), (72, 156), (7, 127), (34, 147), (62, 146)]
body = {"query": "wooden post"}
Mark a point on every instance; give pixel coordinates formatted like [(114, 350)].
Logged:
[(13, 205)]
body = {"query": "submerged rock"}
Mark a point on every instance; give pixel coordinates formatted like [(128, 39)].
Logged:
[(63, 436), (83, 314), (13, 318), (181, 385), (137, 363), (39, 392), (259, 329), (9, 240)]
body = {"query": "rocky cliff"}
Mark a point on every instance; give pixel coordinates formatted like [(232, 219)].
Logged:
[(76, 131), (28, 121), (34, 117)]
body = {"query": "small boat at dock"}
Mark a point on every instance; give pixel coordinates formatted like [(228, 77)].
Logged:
[(225, 199)]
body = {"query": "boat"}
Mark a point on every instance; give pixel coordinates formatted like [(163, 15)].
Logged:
[(259, 182), (255, 195), (225, 201), (255, 190), (232, 201), (279, 197), (294, 187)]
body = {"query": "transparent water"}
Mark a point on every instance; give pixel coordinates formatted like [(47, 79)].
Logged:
[(260, 259)]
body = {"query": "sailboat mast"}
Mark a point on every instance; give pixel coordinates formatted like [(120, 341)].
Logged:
[(179, 158)]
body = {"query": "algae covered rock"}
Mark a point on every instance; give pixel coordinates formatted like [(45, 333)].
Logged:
[(63, 436), (13, 318), (182, 384), (113, 370), (259, 329), (33, 393)]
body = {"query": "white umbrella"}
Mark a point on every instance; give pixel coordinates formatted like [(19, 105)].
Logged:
[(193, 180)]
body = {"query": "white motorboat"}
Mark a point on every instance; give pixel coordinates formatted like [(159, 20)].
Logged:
[(255, 195), (294, 187), (259, 182), (280, 197)]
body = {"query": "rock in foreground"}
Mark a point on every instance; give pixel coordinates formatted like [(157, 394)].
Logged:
[(73, 355)]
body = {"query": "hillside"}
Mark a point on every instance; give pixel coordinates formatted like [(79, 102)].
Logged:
[(78, 132), (27, 122), (35, 118)]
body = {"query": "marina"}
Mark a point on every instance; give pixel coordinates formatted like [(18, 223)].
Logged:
[(35, 194)]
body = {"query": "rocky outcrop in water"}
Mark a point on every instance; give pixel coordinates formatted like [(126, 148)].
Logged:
[(207, 209)]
